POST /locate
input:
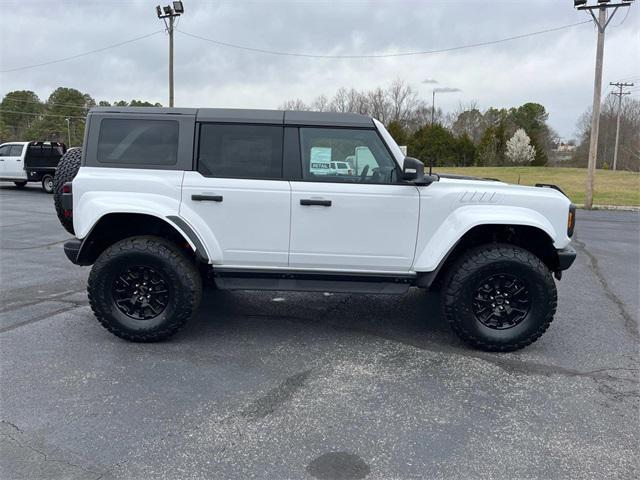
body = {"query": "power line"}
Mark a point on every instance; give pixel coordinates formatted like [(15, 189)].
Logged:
[(90, 52), (40, 114), (381, 55), (624, 19)]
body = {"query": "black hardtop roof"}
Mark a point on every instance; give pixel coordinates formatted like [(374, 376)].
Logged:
[(238, 115)]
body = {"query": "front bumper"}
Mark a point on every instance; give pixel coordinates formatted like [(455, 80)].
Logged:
[(566, 256)]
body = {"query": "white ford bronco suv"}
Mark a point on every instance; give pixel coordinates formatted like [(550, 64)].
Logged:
[(160, 199)]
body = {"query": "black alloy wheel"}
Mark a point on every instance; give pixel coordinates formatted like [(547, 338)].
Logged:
[(501, 301), (140, 292)]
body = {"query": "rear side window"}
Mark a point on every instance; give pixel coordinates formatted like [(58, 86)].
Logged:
[(143, 142), (16, 150), (241, 151)]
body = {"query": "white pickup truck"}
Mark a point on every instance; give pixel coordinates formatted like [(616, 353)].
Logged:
[(22, 162), (160, 198)]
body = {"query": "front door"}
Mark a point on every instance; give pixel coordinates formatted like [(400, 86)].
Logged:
[(354, 219), (239, 193), (4, 154), (14, 163)]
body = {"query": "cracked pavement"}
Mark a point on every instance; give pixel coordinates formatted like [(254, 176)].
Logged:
[(297, 385)]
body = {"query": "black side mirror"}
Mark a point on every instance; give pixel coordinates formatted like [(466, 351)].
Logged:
[(413, 170)]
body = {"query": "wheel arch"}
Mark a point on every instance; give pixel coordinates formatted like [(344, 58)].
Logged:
[(115, 226), (531, 238)]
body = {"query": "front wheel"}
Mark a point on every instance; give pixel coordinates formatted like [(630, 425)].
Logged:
[(47, 183), (20, 184), (499, 297), (144, 289)]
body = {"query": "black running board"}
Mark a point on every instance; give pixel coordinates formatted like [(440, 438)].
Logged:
[(288, 280)]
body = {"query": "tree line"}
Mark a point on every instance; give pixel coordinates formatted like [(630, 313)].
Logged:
[(629, 144), (23, 116), (465, 137)]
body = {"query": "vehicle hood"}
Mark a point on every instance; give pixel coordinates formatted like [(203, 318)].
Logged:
[(465, 181)]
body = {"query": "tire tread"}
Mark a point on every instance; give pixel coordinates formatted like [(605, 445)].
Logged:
[(68, 167)]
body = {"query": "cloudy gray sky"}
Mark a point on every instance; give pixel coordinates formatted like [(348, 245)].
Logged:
[(555, 69)]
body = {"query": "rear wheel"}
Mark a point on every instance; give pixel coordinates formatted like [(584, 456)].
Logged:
[(144, 289), (499, 297), (47, 183), (68, 167), (20, 184)]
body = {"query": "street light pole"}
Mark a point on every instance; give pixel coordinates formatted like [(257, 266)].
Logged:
[(433, 99), (619, 94), (433, 106), (601, 22), (168, 14), (171, 61)]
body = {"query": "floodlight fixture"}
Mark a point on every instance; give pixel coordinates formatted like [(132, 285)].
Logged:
[(178, 7)]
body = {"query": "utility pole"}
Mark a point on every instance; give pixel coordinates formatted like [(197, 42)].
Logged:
[(601, 23), (619, 94), (168, 14)]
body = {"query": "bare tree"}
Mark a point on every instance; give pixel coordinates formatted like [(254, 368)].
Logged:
[(629, 148), (357, 102), (403, 99), (340, 101), (379, 105), (295, 104), (320, 104), (469, 120)]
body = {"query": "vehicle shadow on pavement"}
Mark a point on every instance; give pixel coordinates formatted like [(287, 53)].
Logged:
[(413, 318)]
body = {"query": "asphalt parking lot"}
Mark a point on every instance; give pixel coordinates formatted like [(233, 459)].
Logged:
[(289, 385)]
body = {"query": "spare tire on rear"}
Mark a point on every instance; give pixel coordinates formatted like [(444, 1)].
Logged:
[(67, 170)]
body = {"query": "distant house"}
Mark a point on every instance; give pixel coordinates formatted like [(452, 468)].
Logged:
[(565, 147)]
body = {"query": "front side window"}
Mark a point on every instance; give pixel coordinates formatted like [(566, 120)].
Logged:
[(143, 142), (4, 150), (240, 151), (16, 150), (345, 155)]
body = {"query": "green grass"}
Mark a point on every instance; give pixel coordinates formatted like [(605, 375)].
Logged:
[(610, 188)]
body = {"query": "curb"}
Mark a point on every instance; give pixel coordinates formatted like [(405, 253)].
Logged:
[(619, 208)]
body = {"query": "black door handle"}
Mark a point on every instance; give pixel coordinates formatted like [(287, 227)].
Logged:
[(309, 201), (206, 198)]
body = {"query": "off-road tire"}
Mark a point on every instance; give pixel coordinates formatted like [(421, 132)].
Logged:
[(471, 270), (68, 167), (47, 183), (20, 184), (183, 281)]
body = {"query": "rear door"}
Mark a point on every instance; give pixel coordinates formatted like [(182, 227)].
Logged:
[(238, 191), (367, 221)]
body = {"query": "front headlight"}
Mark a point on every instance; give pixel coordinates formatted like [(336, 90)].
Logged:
[(571, 220)]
